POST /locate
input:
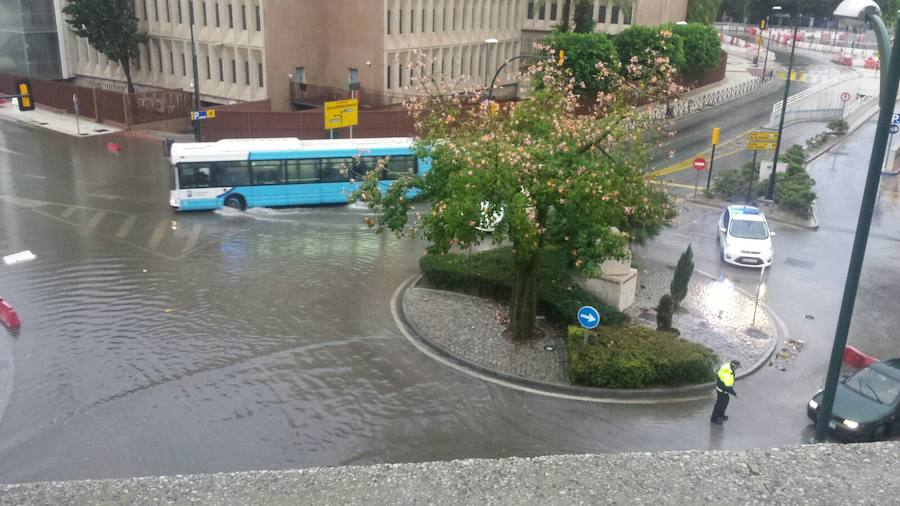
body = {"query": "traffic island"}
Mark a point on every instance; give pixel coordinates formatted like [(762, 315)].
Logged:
[(468, 333)]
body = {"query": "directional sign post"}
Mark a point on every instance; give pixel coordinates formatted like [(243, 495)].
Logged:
[(340, 114), (589, 318), (762, 141), (699, 166), (207, 114)]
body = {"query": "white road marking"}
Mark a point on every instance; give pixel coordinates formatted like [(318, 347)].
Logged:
[(157, 234), (126, 226)]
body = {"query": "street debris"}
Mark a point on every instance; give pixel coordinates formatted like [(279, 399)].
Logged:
[(22, 256), (787, 353)]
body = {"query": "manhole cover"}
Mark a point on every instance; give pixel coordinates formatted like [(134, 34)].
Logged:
[(101, 130), (548, 347), (805, 264)]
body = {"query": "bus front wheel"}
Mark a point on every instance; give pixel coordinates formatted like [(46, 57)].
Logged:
[(235, 202)]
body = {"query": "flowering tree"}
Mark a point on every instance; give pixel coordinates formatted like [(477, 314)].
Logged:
[(565, 176)]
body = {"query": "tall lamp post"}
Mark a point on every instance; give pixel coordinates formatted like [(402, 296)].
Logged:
[(198, 135), (858, 12), (770, 190), (775, 8)]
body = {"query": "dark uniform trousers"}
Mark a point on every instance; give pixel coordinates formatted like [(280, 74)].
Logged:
[(721, 403)]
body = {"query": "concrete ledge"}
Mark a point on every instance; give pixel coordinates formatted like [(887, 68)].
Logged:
[(813, 474)]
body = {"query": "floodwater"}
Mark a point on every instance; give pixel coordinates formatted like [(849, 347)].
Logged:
[(159, 343)]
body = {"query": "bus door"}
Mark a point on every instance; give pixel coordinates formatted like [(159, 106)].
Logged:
[(268, 185), (303, 182)]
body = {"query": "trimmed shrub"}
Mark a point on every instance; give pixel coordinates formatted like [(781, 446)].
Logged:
[(838, 127), (702, 47), (683, 272), (664, 312), (583, 52), (732, 184), (634, 356), (491, 274), (636, 40)]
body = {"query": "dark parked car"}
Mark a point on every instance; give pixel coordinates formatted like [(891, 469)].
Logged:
[(867, 402)]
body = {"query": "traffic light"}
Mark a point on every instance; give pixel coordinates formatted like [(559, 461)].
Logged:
[(26, 99)]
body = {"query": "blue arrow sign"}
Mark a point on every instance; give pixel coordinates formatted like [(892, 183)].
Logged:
[(588, 317), (895, 118), (895, 128)]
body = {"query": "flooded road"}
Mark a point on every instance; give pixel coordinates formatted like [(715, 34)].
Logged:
[(158, 343)]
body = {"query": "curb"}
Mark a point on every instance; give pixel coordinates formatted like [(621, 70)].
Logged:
[(719, 204), (571, 392)]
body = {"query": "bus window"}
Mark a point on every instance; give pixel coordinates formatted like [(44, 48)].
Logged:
[(399, 165), (267, 172), (363, 166), (302, 171), (336, 170), (231, 174), (193, 175)]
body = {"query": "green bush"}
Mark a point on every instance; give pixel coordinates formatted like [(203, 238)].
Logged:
[(683, 272), (702, 11), (636, 40), (702, 47), (490, 274), (732, 184), (583, 52), (838, 127), (794, 191), (664, 311), (633, 356)]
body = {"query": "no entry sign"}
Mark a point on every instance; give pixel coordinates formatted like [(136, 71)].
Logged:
[(700, 164)]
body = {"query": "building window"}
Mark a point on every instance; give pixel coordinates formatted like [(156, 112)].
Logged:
[(601, 16), (218, 23), (388, 22), (168, 12), (259, 72), (352, 76), (423, 20), (171, 63), (145, 9), (454, 19), (230, 16), (433, 20), (183, 66), (542, 11), (553, 11), (400, 18), (530, 9), (203, 12), (258, 19), (156, 10), (444, 20), (412, 21), (614, 19), (626, 16), (243, 16), (208, 74), (247, 73), (298, 74), (233, 71), (221, 71), (178, 3), (400, 76), (388, 75)]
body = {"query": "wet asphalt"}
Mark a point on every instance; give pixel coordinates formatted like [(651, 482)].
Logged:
[(157, 342)]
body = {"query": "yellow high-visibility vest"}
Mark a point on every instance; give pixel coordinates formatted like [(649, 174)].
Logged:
[(726, 375)]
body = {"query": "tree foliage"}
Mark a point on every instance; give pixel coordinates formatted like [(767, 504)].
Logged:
[(110, 27), (584, 51), (584, 17), (702, 47), (563, 180), (641, 45), (702, 11)]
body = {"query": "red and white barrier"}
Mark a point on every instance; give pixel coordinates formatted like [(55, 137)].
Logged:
[(8, 315), (857, 359)]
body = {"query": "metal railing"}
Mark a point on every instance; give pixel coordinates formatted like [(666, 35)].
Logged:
[(711, 98)]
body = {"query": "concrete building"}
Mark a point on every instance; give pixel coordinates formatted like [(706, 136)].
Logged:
[(289, 51)]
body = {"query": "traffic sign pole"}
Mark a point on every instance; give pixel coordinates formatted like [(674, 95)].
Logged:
[(752, 178)]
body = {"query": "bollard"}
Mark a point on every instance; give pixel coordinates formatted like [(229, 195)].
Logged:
[(8, 315)]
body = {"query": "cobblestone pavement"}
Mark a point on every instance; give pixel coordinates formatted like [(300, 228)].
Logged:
[(714, 313), (473, 328)]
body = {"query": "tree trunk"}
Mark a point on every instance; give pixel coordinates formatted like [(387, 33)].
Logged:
[(126, 68), (524, 298), (566, 9)]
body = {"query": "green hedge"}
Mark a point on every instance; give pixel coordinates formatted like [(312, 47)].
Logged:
[(634, 356), (583, 52), (491, 273)]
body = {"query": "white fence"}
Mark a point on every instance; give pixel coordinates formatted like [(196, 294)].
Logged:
[(824, 102)]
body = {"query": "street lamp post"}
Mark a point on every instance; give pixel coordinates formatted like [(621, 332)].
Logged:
[(776, 8), (770, 190), (859, 11), (198, 135)]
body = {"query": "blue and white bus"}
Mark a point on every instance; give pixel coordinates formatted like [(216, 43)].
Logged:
[(243, 173)]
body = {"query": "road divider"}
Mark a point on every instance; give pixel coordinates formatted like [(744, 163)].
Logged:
[(8, 315)]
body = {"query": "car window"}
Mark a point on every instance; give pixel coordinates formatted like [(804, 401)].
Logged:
[(725, 219), (745, 229), (874, 385)]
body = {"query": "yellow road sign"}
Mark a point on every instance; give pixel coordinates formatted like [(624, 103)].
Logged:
[(760, 146), (763, 136), (715, 136), (341, 113)]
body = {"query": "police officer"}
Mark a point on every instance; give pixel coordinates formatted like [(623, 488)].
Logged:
[(724, 388)]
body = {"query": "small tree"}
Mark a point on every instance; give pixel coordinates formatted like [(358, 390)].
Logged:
[(683, 271), (110, 27), (838, 127), (635, 41), (584, 17), (702, 11), (664, 312), (563, 180), (702, 47)]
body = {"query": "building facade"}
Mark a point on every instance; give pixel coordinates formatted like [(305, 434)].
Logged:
[(29, 38), (280, 50)]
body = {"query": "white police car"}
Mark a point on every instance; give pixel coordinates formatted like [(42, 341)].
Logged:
[(744, 237)]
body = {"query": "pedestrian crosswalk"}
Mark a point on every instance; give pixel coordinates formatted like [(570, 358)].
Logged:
[(810, 77)]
